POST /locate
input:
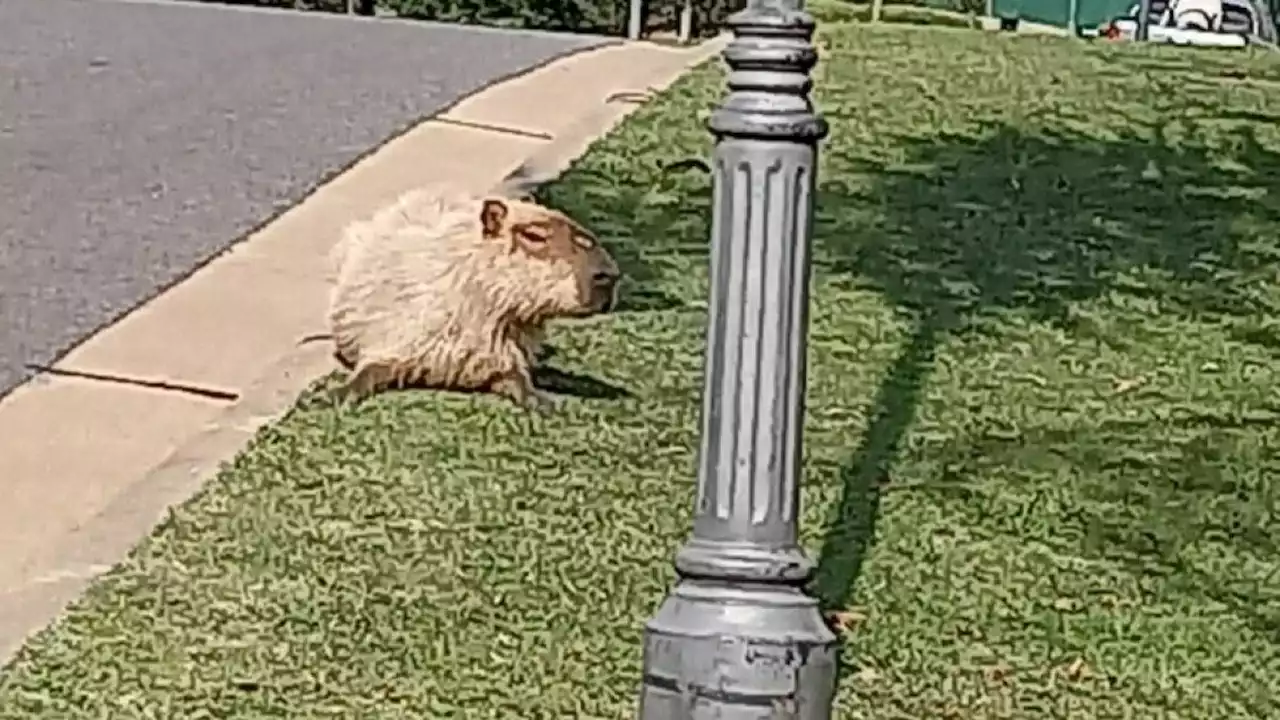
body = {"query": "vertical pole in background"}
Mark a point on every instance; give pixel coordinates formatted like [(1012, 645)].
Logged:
[(686, 22), (635, 19), (1144, 21), (1073, 9), (738, 638)]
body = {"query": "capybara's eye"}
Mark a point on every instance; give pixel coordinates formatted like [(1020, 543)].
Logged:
[(584, 241), (534, 232)]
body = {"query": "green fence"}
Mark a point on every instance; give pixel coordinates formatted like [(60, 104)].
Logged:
[(1088, 13)]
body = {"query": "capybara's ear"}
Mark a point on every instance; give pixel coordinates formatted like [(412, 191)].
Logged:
[(492, 216)]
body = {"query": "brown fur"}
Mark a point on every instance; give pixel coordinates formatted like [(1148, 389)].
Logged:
[(452, 290)]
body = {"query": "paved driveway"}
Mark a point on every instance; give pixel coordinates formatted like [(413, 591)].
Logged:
[(138, 140)]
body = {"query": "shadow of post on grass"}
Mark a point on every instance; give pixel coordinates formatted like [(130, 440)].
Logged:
[(1033, 224), (852, 527)]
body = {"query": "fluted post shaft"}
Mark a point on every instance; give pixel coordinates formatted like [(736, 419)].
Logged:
[(737, 638)]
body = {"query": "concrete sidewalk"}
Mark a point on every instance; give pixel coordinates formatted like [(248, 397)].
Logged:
[(142, 414)]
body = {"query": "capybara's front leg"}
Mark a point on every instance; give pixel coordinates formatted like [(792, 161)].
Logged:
[(510, 375), (364, 381), (531, 341), (517, 386)]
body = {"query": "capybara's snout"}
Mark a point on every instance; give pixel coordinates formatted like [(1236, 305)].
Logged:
[(601, 286)]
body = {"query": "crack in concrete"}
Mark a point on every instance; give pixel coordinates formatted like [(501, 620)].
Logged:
[(163, 385), (503, 129)]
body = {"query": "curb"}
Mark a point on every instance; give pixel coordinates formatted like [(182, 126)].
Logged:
[(108, 537)]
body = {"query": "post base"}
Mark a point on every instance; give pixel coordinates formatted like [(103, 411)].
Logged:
[(734, 652)]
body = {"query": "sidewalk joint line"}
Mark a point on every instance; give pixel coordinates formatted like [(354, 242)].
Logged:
[(506, 130), (209, 393)]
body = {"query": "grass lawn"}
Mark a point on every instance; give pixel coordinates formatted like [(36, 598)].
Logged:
[(1043, 434), (845, 11)]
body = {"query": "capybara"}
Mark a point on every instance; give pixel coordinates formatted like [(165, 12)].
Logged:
[(451, 290)]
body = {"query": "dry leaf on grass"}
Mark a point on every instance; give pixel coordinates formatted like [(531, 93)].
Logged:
[(846, 620), (1075, 670)]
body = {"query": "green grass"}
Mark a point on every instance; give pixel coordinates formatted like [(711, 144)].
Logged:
[(844, 11), (1043, 434)]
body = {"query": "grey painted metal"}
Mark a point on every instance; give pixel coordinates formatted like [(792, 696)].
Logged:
[(738, 638), (1143, 31)]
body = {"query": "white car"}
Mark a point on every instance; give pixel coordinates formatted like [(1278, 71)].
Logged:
[(1240, 25)]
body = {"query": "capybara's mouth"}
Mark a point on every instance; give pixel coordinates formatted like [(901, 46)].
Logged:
[(600, 302), (604, 292), (605, 296)]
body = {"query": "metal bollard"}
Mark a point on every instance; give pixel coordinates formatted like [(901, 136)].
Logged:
[(635, 19), (738, 638)]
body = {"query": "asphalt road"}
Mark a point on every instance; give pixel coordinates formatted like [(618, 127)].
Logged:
[(138, 140)]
